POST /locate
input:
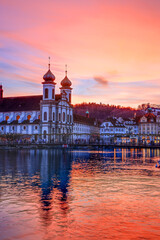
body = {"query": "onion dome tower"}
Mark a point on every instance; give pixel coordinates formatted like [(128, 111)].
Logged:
[(66, 86), (49, 85)]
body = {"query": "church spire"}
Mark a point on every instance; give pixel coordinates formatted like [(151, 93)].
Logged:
[(66, 70), (49, 62)]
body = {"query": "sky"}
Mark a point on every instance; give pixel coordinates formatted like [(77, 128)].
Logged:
[(111, 48)]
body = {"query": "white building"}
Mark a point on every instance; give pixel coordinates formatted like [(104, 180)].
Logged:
[(112, 131), (149, 128), (47, 117), (131, 126), (85, 129)]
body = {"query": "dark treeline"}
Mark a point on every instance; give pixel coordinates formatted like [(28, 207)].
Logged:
[(103, 111)]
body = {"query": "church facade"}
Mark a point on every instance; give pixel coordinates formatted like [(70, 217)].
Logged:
[(47, 117)]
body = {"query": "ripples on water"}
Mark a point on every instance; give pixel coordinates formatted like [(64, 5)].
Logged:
[(52, 194)]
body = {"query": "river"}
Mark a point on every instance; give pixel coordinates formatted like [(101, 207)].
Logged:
[(56, 194)]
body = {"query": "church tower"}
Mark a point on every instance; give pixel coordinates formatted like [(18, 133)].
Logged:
[(48, 109), (66, 87), (49, 85)]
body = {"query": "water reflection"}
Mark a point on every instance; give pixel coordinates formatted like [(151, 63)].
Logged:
[(53, 191)]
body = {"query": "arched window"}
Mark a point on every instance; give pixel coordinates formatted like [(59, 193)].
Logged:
[(53, 116), (70, 118), (7, 117), (46, 92), (29, 117), (64, 116), (70, 97), (18, 117), (45, 116), (53, 93)]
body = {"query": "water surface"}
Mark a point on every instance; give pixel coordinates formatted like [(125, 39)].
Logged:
[(54, 194)]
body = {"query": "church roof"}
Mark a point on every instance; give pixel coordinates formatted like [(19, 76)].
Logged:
[(23, 103), (49, 77), (66, 83)]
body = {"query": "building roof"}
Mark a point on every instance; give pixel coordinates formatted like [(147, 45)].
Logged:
[(24, 103), (84, 120), (115, 122), (66, 83), (149, 116), (49, 76)]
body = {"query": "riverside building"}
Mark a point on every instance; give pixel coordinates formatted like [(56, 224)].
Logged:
[(47, 117), (149, 128)]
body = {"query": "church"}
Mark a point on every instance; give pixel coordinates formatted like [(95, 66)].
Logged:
[(47, 117)]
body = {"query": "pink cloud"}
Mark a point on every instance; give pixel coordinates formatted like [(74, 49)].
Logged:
[(92, 37)]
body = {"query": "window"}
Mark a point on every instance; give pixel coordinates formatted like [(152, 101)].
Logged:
[(70, 118), (38, 116), (2, 128), (7, 117), (59, 117), (67, 118), (36, 127), (13, 128), (45, 116), (24, 127), (46, 93), (70, 97), (64, 116), (52, 93), (29, 117), (44, 133), (53, 116)]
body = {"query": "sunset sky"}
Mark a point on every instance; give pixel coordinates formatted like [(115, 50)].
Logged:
[(111, 47)]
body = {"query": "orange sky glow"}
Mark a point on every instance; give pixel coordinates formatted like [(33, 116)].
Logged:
[(111, 48)]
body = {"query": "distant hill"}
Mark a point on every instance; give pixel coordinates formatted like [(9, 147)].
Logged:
[(103, 111)]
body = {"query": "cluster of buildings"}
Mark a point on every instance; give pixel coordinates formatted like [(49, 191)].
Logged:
[(45, 118), (143, 129), (49, 118)]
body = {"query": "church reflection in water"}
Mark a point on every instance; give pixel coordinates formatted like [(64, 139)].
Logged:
[(44, 171)]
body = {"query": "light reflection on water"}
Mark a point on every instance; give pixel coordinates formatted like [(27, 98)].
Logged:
[(52, 194)]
